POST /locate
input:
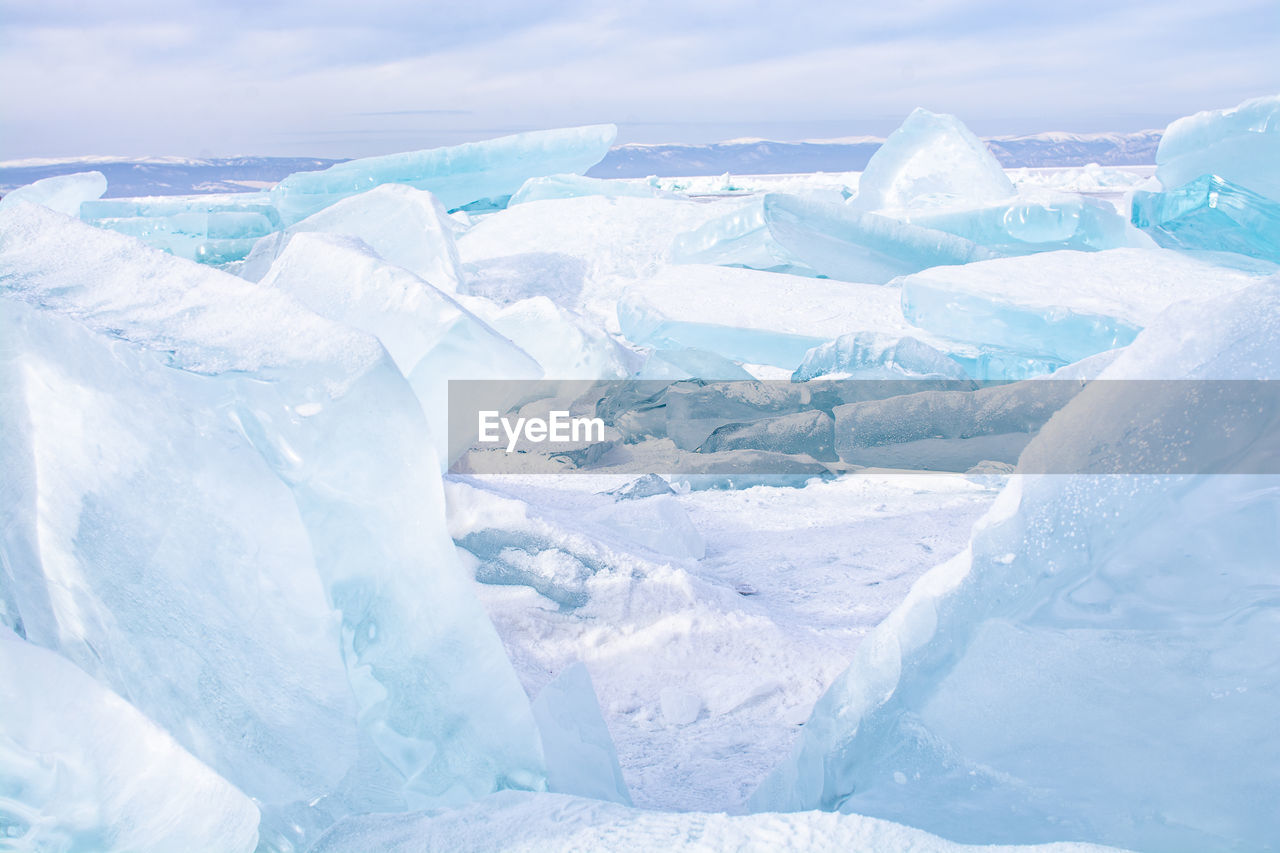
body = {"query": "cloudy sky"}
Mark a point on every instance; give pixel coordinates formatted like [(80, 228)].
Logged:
[(344, 78)]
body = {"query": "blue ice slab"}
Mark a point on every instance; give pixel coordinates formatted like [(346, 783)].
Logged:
[(1025, 226), (1214, 214), (574, 186), (1059, 306), (1100, 664), (457, 175), (212, 229), (1241, 145), (63, 193), (803, 236)]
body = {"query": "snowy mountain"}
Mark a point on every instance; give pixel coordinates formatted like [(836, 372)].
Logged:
[(765, 157), (127, 177)]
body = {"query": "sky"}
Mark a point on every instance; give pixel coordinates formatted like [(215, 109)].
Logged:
[(337, 78)]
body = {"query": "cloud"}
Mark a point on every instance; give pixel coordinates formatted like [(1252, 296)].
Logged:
[(336, 78)]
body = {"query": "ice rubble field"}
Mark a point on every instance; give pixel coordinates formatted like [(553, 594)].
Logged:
[(244, 609)]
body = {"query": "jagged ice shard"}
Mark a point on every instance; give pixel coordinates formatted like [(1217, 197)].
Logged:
[(211, 229), (405, 226), (81, 769), (932, 160), (1211, 214), (431, 338), (1100, 664), (752, 316), (1241, 145), (803, 236), (225, 508), (63, 193), (457, 175)]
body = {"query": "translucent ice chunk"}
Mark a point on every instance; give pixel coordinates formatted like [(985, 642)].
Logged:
[(566, 345), (581, 758), (1100, 663), (431, 338), (1241, 145), (212, 229), (224, 507), (81, 769), (63, 193), (406, 227), (573, 186), (876, 355), (1030, 225), (1062, 305), (932, 159), (804, 236), (690, 364), (1214, 214), (756, 317), (457, 175)]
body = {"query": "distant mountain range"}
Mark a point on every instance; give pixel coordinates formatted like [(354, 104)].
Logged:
[(180, 176), (764, 157)]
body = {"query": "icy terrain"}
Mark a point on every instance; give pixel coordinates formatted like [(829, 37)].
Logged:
[(808, 587)]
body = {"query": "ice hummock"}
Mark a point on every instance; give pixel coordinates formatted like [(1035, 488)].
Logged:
[(225, 508), (1099, 663), (931, 160), (806, 236), (457, 175), (63, 193), (405, 226), (81, 769), (1211, 214), (1240, 145)]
